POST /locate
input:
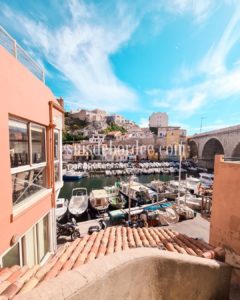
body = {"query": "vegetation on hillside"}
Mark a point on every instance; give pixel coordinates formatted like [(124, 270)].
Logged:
[(69, 137), (114, 127)]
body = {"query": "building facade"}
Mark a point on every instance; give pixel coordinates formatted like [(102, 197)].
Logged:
[(225, 217), (158, 119), (89, 116), (31, 174)]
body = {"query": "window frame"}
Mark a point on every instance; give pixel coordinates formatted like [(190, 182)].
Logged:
[(31, 165), (10, 118), (58, 160), (20, 245), (30, 143), (21, 242)]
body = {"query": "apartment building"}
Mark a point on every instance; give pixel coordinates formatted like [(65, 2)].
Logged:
[(31, 174), (158, 119)]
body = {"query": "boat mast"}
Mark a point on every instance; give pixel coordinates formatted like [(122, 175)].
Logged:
[(179, 174), (129, 199)]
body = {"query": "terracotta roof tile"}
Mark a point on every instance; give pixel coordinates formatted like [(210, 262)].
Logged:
[(16, 280), (125, 245), (130, 237), (104, 242), (111, 241)]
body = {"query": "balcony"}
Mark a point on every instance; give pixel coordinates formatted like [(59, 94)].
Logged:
[(7, 42)]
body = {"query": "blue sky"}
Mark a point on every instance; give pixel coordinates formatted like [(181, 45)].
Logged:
[(136, 57)]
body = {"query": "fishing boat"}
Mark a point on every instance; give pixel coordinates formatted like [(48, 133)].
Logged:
[(116, 200), (78, 203), (139, 194), (73, 175), (99, 200), (191, 201), (193, 184), (172, 188), (206, 179), (157, 185), (61, 208)]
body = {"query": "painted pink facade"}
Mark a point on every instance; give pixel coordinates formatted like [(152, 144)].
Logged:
[(25, 97)]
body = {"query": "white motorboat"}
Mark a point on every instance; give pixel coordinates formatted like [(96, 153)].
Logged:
[(61, 208), (206, 179), (191, 201), (78, 203), (73, 175), (192, 184), (99, 200)]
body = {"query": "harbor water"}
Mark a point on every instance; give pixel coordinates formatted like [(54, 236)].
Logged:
[(99, 181)]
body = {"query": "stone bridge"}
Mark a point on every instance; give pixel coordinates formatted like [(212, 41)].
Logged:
[(206, 145)]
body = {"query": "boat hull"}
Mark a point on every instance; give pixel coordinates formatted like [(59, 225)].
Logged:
[(71, 178)]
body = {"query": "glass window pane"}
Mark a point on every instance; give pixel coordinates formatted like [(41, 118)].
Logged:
[(18, 139), (12, 257), (56, 145), (29, 248), (25, 184), (43, 237), (57, 172), (38, 143)]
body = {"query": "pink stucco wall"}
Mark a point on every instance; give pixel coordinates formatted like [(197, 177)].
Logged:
[(225, 219), (23, 95)]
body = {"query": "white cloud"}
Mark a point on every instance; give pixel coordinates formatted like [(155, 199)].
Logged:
[(81, 50), (199, 9), (215, 80), (214, 61), (143, 122)]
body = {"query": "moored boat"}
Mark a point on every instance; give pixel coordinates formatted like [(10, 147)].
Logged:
[(61, 208), (116, 200), (139, 194), (206, 179), (99, 200), (78, 203), (191, 201), (73, 175)]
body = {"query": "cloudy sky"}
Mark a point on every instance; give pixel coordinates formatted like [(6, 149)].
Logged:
[(136, 57)]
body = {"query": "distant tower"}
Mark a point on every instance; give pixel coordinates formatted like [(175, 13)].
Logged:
[(158, 119)]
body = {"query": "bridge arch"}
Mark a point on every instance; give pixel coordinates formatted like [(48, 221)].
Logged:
[(193, 149), (236, 151), (212, 147)]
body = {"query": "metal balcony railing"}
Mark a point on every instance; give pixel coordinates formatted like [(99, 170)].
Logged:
[(21, 55)]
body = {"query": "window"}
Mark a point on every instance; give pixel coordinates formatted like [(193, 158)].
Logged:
[(28, 158), (57, 171), (56, 155), (25, 184), (56, 144), (12, 257), (31, 248), (43, 238), (38, 143), (19, 143)]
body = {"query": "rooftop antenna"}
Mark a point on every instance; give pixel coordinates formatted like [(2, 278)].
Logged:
[(202, 118)]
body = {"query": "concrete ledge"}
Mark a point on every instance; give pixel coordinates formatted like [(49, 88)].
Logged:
[(140, 274)]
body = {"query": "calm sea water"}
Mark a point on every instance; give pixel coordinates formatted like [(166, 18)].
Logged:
[(99, 181)]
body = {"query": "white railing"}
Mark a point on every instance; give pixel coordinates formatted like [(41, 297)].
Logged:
[(21, 55)]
